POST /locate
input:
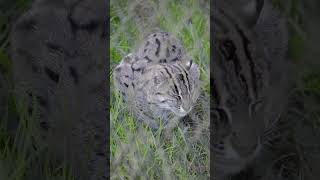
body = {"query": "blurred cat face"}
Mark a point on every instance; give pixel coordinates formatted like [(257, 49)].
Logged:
[(174, 88)]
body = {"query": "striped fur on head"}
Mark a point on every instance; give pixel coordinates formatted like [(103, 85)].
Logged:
[(171, 86)]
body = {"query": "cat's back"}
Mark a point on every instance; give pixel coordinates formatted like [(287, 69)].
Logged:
[(156, 48), (161, 47)]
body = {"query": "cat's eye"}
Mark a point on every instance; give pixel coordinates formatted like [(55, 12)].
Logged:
[(227, 49), (222, 124), (189, 64), (222, 114), (161, 98), (255, 106)]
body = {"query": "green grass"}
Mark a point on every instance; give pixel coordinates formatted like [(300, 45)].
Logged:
[(21, 157), (136, 151)]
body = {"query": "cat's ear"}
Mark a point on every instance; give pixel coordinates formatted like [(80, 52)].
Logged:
[(128, 58), (250, 11), (188, 64), (247, 10)]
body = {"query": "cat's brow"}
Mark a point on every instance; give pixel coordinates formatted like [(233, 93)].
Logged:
[(183, 80)]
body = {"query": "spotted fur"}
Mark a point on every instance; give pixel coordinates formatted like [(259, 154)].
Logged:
[(161, 47), (157, 88)]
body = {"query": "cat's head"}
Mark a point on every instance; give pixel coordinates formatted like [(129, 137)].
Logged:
[(174, 87), (246, 36), (248, 11)]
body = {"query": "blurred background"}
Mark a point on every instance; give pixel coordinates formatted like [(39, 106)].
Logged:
[(136, 152)]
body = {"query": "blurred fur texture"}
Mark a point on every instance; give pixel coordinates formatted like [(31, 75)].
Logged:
[(287, 151), (250, 76), (58, 50)]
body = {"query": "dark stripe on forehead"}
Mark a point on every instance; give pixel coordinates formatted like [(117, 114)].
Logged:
[(187, 77), (175, 87), (239, 35), (174, 84), (181, 81), (168, 72)]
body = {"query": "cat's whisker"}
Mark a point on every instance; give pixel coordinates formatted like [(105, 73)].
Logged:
[(161, 78)]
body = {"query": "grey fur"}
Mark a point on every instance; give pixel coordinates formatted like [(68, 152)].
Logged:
[(250, 75), (154, 78)]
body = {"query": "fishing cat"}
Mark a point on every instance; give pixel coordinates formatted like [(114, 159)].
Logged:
[(58, 51), (249, 80), (160, 79)]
